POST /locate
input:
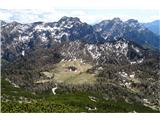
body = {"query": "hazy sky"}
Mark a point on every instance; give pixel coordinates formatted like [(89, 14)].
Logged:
[(90, 11)]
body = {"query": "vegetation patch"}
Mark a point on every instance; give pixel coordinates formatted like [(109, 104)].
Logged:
[(73, 72), (18, 100)]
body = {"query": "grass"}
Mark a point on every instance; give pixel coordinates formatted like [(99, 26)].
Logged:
[(7, 89), (62, 74), (80, 76)]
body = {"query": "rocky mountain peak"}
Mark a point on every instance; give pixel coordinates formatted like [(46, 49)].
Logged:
[(37, 23), (132, 21), (117, 19), (2, 22), (66, 19), (130, 30)]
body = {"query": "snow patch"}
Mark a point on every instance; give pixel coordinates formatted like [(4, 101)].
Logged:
[(16, 86), (127, 84), (146, 101), (54, 90), (24, 38), (74, 59), (23, 53), (92, 98), (41, 27), (62, 60), (91, 109), (132, 75), (43, 38), (68, 26), (100, 68), (93, 50), (140, 61), (123, 74), (134, 62), (136, 49), (81, 61)]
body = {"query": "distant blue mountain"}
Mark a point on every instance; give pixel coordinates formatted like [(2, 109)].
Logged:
[(153, 26)]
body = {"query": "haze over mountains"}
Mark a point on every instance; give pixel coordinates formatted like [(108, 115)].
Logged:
[(153, 26)]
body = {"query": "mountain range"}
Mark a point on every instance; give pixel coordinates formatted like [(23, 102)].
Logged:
[(18, 37), (118, 60), (153, 26)]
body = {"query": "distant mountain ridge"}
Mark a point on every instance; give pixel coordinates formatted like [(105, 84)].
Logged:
[(17, 37), (130, 30), (153, 26)]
